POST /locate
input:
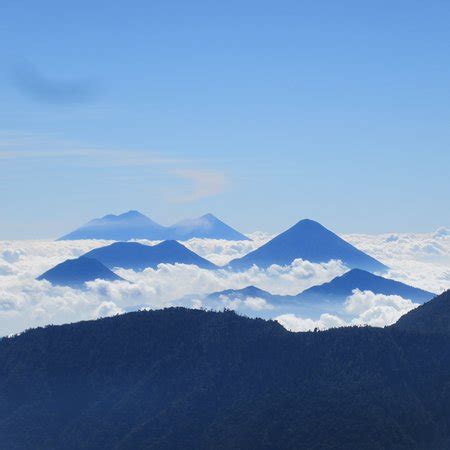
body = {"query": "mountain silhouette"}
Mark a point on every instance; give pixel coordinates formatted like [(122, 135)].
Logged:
[(207, 226), (432, 317), (134, 225), (311, 241), (129, 225), (196, 380), (338, 289), (334, 292), (76, 272), (132, 255), (251, 291)]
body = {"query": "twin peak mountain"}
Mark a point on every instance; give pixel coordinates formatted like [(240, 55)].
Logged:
[(134, 225)]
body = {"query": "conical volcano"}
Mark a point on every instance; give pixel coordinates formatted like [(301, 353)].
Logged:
[(311, 241)]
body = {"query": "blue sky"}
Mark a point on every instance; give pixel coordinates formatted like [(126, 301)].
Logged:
[(260, 112)]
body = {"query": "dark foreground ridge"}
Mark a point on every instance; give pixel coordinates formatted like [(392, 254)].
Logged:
[(189, 379), (432, 317)]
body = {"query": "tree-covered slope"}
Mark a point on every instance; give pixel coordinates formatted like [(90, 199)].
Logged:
[(431, 317), (122, 227), (187, 379)]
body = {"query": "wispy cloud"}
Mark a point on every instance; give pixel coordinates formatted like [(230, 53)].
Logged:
[(39, 87), (205, 183)]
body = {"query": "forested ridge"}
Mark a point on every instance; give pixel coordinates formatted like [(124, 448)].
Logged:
[(191, 379)]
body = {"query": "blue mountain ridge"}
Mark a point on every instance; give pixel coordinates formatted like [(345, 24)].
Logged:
[(129, 225), (75, 272), (311, 241), (134, 225), (207, 226), (335, 291), (341, 287), (132, 255)]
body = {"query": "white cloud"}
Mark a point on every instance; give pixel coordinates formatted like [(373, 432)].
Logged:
[(257, 304), (376, 309), (226, 302), (441, 233), (296, 323), (205, 183), (5, 269), (361, 308), (107, 309), (419, 259), (11, 255), (28, 259)]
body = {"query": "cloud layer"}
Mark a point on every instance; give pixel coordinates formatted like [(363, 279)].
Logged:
[(364, 308), (418, 259)]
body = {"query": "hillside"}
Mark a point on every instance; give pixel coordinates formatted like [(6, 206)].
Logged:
[(432, 317), (190, 379)]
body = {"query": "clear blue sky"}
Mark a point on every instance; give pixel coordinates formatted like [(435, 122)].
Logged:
[(261, 112)]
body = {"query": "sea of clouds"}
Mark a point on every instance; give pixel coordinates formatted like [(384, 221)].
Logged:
[(422, 260)]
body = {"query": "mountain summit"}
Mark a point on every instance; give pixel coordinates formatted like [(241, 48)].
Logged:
[(129, 225), (76, 272), (311, 241), (134, 225), (338, 289), (132, 255), (207, 226)]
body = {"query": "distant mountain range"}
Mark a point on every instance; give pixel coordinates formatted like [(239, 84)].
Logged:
[(336, 291), (249, 291), (96, 264), (129, 225), (132, 255), (76, 272), (207, 226), (311, 241), (197, 380), (134, 225), (307, 240)]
